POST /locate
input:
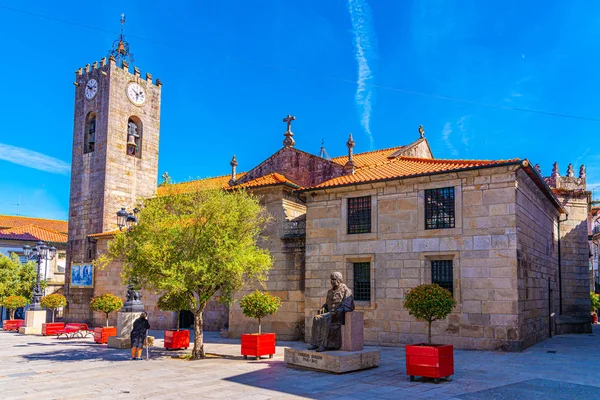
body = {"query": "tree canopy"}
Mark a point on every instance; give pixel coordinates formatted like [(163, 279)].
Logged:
[(259, 305), (12, 303), (195, 245), (53, 301), (106, 303), (17, 279), (429, 302)]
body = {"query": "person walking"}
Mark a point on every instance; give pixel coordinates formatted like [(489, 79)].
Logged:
[(138, 336)]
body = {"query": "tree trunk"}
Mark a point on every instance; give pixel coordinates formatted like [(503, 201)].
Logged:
[(178, 319), (198, 350), (259, 325), (11, 314), (107, 320), (429, 333), (53, 312)]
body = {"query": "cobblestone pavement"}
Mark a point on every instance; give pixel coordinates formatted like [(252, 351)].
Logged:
[(37, 367)]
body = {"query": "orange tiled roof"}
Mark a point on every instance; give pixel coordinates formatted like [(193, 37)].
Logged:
[(33, 233), (216, 182), (107, 234), (12, 221), (404, 167), (368, 158), (267, 180)]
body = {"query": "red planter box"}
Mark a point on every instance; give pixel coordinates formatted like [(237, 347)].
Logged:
[(12, 324), (101, 335), (177, 339), (258, 345), (429, 360), (594, 319), (52, 328)]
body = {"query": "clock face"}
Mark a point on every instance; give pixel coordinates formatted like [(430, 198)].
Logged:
[(136, 94), (91, 88)]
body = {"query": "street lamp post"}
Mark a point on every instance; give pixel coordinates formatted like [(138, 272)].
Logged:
[(38, 253), (134, 297)]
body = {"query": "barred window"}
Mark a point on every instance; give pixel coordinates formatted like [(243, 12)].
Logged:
[(439, 208), (442, 273), (362, 281), (359, 215), (90, 133)]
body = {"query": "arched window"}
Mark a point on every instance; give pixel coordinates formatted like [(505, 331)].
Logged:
[(89, 135), (134, 137)]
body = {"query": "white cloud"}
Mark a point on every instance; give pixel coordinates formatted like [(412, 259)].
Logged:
[(446, 132), (33, 159), (360, 13), (462, 127)]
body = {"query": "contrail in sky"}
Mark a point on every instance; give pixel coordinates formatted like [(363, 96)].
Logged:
[(360, 13), (33, 159)]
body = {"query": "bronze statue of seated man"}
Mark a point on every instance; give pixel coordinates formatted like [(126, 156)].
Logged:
[(327, 325)]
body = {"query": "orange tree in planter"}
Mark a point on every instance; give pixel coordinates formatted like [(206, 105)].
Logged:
[(429, 302), (595, 302), (174, 302), (53, 301), (106, 303), (11, 303), (259, 305)]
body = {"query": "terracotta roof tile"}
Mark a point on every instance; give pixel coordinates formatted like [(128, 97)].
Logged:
[(12, 221), (33, 233), (216, 182), (107, 234), (267, 180), (368, 158), (405, 167)]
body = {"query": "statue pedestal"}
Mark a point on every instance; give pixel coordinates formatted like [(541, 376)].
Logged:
[(124, 328), (33, 322), (337, 362), (353, 331)]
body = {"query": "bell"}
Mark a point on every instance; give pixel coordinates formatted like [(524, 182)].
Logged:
[(130, 140)]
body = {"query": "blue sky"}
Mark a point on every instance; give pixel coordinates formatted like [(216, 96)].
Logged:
[(232, 70)]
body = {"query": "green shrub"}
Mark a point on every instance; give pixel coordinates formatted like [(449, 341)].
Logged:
[(11, 303), (595, 301), (429, 302), (259, 305), (106, 303), (53, 301), (174, 302)]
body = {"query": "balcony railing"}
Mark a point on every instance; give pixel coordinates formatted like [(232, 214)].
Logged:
[(293, 229)]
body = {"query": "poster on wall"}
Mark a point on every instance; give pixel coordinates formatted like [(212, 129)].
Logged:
[(82, 275)]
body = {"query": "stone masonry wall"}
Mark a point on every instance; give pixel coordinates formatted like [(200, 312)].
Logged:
[(575, 253), (286, 278), (482, 246), (537, 261)]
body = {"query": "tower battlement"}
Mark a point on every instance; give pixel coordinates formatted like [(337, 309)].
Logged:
[(104, 66), (567, 182)]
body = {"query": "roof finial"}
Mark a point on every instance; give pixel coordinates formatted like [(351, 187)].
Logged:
[(555, 173), (538, 168), (421, 131), (582, 174), (233, 164), (289, 140), (350, 166), (120, 48), (570, 172), (323, 153)]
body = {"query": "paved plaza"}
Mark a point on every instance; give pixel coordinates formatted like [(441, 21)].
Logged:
[(37, 367)]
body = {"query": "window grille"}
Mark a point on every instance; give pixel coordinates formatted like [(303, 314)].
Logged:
[(442, 273), (439, 208), (359, 215), (362, 281)]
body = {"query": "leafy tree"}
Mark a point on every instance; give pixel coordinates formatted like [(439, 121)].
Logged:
[(17, 279), (429, 302), (195, 244), (595, 301), (106, 303), (174, 302), (53, 301), (259, 305), (12, 303)]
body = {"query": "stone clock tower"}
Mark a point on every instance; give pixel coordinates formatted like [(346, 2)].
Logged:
[(114, 162)]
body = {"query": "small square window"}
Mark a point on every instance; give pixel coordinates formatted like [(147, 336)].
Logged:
[(439, 208), (442, 273), (362, 281), (359, 215)]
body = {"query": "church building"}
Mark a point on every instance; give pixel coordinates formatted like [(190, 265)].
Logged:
[(508, 243)]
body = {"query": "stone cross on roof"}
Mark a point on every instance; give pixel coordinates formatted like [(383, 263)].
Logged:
[(289, 140)]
